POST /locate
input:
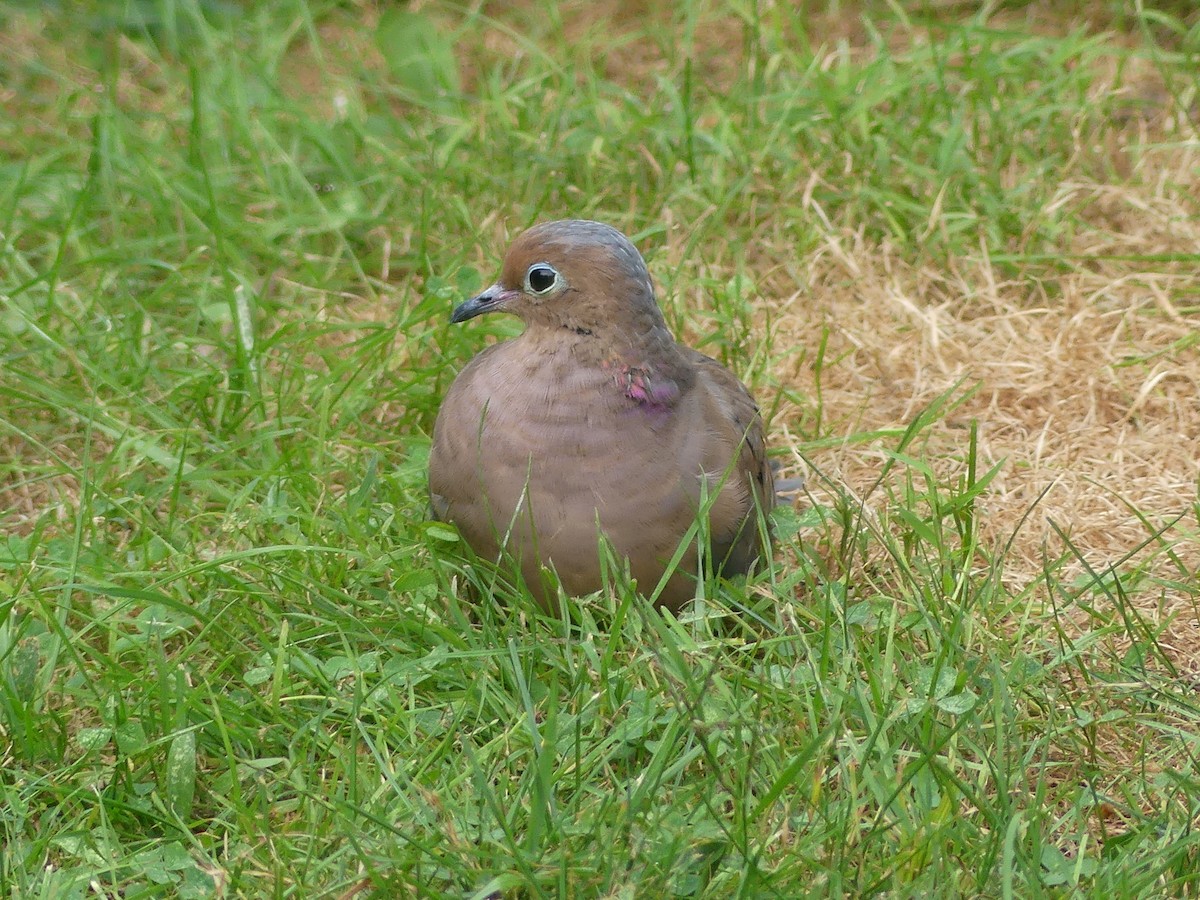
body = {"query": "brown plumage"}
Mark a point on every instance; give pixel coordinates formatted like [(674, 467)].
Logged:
[(594, 414)]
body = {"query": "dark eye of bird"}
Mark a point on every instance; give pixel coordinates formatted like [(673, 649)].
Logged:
[(541, 278)]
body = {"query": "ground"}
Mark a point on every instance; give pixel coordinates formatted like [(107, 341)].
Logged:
[(951, 247)]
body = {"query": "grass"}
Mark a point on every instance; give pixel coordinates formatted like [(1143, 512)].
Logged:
[(235, 658)]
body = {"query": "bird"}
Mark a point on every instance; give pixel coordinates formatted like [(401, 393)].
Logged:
[(595, 421)]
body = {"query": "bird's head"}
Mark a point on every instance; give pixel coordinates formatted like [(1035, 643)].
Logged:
[(585, 277)]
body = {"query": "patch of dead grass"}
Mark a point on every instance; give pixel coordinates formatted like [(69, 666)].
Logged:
[(1086, 382)]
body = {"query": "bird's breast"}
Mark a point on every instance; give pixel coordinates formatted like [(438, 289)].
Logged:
[(554, 412), (565, 444)]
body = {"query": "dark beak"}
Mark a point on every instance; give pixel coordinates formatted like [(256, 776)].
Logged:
[(486, 302)]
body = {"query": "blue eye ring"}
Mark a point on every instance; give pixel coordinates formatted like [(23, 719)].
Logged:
[(541, 278)]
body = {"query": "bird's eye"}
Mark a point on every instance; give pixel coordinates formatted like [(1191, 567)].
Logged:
[(541, 278)]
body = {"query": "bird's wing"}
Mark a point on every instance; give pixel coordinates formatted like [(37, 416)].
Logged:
[(734, 428)]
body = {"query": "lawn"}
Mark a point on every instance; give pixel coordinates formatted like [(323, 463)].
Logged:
[(952, 247)]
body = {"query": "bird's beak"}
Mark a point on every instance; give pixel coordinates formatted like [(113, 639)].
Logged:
[(491, 299)]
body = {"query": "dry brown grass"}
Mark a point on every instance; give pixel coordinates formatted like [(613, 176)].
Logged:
[(1086, 385)]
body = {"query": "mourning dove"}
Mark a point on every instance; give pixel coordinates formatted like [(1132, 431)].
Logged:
[(595, 416)]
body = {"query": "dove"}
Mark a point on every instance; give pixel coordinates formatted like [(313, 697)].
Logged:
[(595, 422)]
